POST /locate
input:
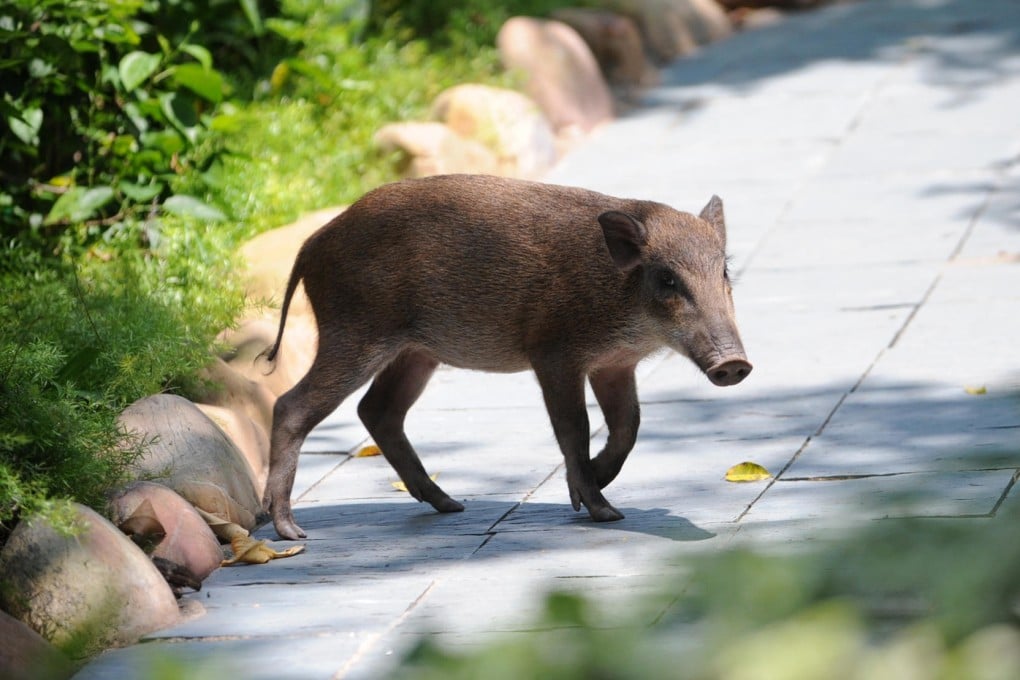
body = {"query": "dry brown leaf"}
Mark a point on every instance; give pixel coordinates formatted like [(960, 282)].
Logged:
[(224, 530), (247, 550)]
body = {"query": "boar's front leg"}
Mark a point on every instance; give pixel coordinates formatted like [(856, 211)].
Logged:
[(563, 390), (616, 391), (383, 410)]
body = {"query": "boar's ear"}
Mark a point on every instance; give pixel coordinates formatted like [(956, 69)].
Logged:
[(625, 237), (713, 214)]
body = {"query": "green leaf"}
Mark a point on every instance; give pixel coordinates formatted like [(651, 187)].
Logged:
[(251, 10), (201, 54), (136, 67), (167, 142), (26, 124), (206, 83), (140, 193), (37, 68), (179, 109), (183, 205), (287, 29), (78, 204)]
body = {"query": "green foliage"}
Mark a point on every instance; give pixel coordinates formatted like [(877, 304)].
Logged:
[(78, 342), (306, 140), (140, 141), (105, 105), (463, 25), (906, 599)]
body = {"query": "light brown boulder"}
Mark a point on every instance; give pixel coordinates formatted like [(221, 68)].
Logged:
[(508, 123), (751, 18), (561, 74), (430, 148), (26, 655), (786, 4), (84, 592), (270, 255), (248, 436), (673, 28), (253, 336), (147, 510), (188, 453), (223, 386), (269, 258), (616, 42)]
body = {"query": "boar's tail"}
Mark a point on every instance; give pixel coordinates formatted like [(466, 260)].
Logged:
[(296, 274)]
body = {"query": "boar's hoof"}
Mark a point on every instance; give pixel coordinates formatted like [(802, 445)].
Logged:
[(605, 514), (447, 504), (287, 528)]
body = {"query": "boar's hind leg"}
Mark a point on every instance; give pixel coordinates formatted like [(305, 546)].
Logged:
[(563, 390), (616, 391), (335, 373), (383, 409)]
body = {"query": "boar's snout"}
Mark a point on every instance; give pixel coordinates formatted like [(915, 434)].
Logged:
[(729, 372)]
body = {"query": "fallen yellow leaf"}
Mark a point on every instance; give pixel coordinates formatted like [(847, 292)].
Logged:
[(249, 551), (400, 486), (367, 451), (747, 472), (976, 390), (224, 530)]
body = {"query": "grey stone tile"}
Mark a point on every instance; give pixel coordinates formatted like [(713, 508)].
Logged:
[(928, 494)]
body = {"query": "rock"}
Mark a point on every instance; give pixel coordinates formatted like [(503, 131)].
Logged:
[(673, 28), (270, 255), (749, 18), (252, 337), (84, 592), (230, 389), (249, 437), (26, 655), (189, 454), (508, 123), (561, 73), (785, 4), (615, 41), (434, 149), (186, 539), (269, 258)]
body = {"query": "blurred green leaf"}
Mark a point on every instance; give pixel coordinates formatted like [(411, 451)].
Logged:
[(79, 204), (25, 125), (251, 10), (140, 193), (189, 206), (136, 67), (206, 83), (201, 54)]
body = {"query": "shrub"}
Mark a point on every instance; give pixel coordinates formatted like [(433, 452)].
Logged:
[(79, 341), (106, 105)]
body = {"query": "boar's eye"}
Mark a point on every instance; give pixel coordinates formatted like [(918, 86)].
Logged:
[(669, 282)]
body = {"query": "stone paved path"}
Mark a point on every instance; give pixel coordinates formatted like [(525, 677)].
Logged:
[(867, 154)]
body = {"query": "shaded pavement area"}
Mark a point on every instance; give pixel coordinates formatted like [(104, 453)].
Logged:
[(867, 155)]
